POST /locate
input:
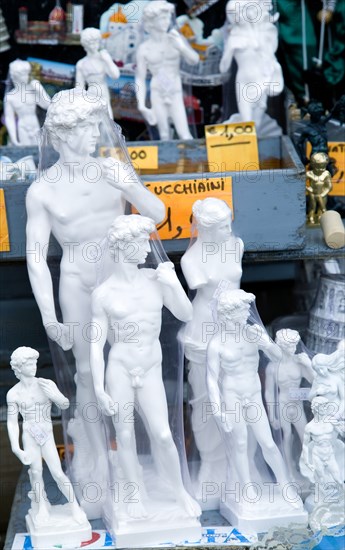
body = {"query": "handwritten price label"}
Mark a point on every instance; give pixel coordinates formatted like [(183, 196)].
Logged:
[(143, 158), (232, 147), (336, 151), (4, 236), (179, 197)]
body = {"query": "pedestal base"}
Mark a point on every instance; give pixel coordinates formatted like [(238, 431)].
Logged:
[(59, 530), (269, 510), (165, 523)]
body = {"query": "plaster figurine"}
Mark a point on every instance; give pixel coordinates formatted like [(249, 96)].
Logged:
[(252, 42), (76, 200), (32, 398), (322, 462), (215, 255), (20, 104), (135, 297), (161, 54), (234, 389), (319, 184), (93, 69), (282, 380), (329, 381)]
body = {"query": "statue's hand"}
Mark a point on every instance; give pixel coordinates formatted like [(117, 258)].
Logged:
[(23, 457), (176, 38), (106, 404), (149, 115), (60, 333), (50, 390), (166, 274), (226, 426), (224, 65)]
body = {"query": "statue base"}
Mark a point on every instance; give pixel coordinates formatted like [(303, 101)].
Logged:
[(60, 529), (269, 509), (165, 523)]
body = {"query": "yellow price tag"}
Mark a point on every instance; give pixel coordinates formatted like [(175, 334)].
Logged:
[(232, 147), (179, 197), (143, 157), (336, 151), (4, 236), (146, 157)]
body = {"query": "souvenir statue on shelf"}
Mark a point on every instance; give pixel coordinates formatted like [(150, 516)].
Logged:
[(161, 54), (329, 378), (315, 133), (76, 197), (322, 462), (92, 70), (215, 255), (20, 116), (319, 184), (134, 297), (252, 42), (32, 398), (234, 389), (283, 381)]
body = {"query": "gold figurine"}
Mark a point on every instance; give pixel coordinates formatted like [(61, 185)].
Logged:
[(319, 184)]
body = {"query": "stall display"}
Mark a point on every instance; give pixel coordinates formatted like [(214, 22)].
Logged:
[(235, 393), (93, 69), (20, 116), (78, 206), (32, 398), (252, 41), (129, 303), (214, 255), (161, 54)]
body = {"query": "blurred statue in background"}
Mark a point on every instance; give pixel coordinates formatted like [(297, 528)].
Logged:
[(252, 42), (20, 104), (92, 70), (161, 54)]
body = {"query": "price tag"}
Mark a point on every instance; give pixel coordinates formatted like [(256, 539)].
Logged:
[(39, 435), (299, 394), (179, 197), (4, 236), (336, 151), (232, 147), (143, 157)]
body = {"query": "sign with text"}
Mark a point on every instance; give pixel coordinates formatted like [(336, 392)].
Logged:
[(143, 157), (336, 152), (4, 236), (232, 147), (179, 197)]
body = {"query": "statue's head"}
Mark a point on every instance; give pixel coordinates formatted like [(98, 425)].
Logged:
[(73, 112), (24, 359), (319, 160), (213, 218), (130, 235), (90, 38), (19, 71), (287, 339), (234, 305), (157, 14)]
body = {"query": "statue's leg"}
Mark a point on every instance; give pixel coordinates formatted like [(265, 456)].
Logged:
[(179, 116), (162, 115), (75, 305), (40, 505), (156, 414)]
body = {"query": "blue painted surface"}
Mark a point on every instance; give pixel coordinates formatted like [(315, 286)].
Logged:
[(331, 543)]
